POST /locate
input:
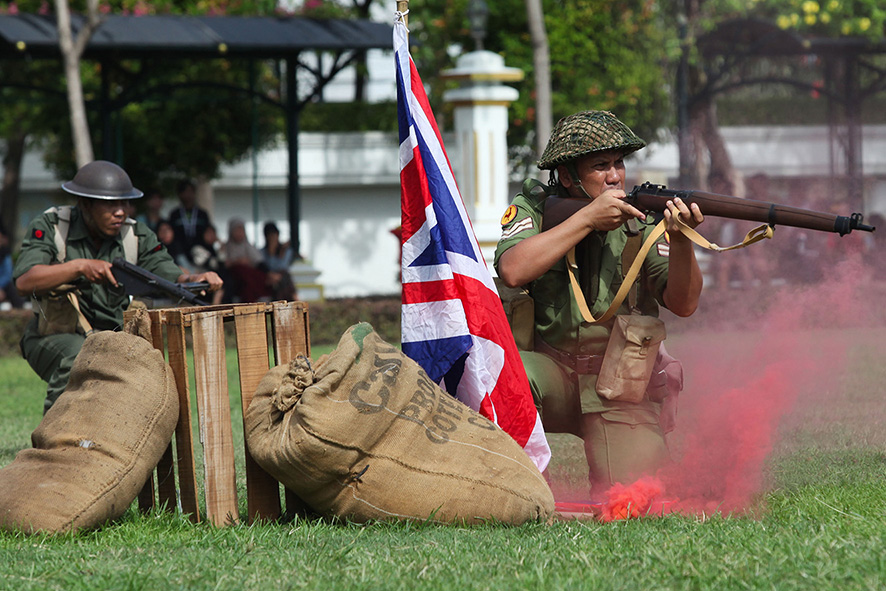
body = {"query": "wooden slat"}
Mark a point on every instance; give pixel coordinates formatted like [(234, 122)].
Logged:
[(166, 465), (214, 412), (184, 444), (146, 495), (291, 338), (250, 322)]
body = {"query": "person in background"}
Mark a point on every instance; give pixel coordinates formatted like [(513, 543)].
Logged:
[(874, 243), (75, 245), (205, 256), (245, 264), (9, 296), (278, 257), (166, 235), (153, 213), (188, 220)]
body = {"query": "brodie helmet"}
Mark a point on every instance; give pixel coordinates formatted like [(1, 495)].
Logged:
[(102, 180), (585, 133)]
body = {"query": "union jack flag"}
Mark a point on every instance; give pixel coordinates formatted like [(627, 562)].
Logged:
[(453, 323)]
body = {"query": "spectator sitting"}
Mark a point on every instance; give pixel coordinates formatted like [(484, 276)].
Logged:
[(278, 257), (245, 265), (153, 214), (9, 296), (166, 235), (188, 220), (206, 257)]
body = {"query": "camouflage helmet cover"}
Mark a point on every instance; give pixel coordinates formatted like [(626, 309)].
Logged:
[(102, 180), (585, 133)]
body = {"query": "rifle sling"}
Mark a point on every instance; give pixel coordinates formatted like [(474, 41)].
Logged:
[(757, 234), (81, 319)]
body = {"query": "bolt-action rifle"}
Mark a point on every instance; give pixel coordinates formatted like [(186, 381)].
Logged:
[(136, 281), (650, 198)]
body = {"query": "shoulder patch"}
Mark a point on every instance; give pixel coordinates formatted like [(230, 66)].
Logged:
[(524, 224), (38, 234), (509, 215)]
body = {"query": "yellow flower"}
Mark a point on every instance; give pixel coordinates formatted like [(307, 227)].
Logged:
[(783, 22), (795, 20), (846, 28), (810, 7), (864, 23), (825, 18), (833, 5), (809, 19)]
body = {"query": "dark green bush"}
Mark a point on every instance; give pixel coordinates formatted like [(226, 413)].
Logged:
[(331, 318), (12, 325)]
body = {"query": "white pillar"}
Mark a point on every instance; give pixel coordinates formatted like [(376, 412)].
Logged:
[(481, 127)]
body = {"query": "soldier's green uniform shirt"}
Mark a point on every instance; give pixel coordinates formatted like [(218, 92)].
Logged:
[(103, 305), (558, 320)]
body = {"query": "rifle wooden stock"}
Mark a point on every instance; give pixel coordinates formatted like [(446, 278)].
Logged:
[(653, 198)]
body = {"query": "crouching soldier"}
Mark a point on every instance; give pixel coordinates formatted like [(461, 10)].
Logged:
[(65, 266)]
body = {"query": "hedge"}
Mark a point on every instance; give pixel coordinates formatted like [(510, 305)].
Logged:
[(328, 320)]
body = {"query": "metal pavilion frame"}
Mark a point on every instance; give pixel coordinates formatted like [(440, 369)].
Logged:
[(27, 37)]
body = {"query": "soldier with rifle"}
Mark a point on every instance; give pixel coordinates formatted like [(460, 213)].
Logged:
[(596, 268), (65, 265), (622, 435)]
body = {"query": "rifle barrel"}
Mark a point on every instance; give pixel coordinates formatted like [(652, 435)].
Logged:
[(649, 197)]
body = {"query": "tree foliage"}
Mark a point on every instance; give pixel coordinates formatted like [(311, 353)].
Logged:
[(170, 118), (605, 54)]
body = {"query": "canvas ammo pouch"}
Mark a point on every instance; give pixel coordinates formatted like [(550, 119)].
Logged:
[(58, 312), (630, 357)]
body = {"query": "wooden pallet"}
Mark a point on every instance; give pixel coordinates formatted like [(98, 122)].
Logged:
[(281, 327)]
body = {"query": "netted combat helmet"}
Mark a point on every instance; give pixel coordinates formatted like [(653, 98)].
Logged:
[(102, 180), (585, 133)]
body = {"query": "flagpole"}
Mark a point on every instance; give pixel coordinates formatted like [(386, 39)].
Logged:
[(403, 8)]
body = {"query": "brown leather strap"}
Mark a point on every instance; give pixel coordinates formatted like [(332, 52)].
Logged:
[(627, 284)]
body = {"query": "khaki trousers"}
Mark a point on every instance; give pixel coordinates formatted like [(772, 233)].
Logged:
[(621, 443)]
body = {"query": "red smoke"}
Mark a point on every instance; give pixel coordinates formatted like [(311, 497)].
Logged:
[(636, 500), (741, 383)]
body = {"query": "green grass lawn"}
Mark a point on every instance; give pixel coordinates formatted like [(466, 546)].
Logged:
[(816, 520)]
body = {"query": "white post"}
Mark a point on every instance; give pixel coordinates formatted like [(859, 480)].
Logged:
[(481, 126)]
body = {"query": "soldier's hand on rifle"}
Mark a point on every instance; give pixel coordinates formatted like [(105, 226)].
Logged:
[(96, 271), (689, 214), (609, 210), (211, 277)]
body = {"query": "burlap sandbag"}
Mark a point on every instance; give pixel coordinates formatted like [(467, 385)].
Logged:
[(98, 444), (367, 435)]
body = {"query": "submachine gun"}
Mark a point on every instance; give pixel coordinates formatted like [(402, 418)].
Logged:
[(138, 282), (653, 198)]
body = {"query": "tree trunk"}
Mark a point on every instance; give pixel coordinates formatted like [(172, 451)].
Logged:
[(711, 156), (541, 64), (360, 70), (71, 51), (10, 191)]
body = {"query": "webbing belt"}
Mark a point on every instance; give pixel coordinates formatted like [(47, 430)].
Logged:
[(582, 364)]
